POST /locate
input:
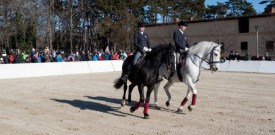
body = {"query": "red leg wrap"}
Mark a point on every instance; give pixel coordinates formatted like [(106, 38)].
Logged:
[(184, 101), (194, 99), (146, 107), (137, 105)]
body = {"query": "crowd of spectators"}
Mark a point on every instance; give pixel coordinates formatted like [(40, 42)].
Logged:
[(236, 56), (47, 55)]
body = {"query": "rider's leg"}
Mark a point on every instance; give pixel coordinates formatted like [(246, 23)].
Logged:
[(177, 57), (136, 57)]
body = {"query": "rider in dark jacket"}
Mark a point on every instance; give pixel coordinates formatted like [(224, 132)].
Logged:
[(142, 44)]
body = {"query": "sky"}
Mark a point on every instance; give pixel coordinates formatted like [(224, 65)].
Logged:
[(258, 7)]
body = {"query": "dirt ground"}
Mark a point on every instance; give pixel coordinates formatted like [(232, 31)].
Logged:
[(87, 104)]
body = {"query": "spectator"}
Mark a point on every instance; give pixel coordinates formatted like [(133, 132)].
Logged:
[(11, 58), (107, 56), (95, 56), (267, 57), (231, 56), (237, 56), (123, 55), (58, 57), (77, 56)]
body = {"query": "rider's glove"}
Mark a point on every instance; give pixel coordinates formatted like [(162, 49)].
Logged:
[(186, 49), (149, 49), (145, 49)]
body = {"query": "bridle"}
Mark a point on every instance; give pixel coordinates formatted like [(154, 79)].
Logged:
[(210, 62)]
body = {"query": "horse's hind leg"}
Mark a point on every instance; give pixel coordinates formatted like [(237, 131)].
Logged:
[(156, 96), (131, 87), (123, 101)]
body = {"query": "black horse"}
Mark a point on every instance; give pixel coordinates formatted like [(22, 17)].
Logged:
[(146, 73)]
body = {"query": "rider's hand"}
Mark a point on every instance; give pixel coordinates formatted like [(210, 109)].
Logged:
[(145, 49), (186, 49), (149, 49)]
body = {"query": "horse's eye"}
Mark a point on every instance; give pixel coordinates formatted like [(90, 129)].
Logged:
[(215, 54)]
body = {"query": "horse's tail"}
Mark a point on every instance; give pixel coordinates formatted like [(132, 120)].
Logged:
[(118, 83)]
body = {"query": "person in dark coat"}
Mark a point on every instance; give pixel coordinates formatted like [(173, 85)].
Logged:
[(181, 44), (142, 44), (180, 40)]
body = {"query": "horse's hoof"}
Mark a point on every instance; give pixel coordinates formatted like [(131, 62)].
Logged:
[(132, 109), (190, 108), (179, 110), (122, 103), (157, 107), (126, 102), (167, 103), (146, 116)]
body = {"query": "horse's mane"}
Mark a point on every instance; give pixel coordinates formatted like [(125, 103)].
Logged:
[(160, 47), (202, 46)]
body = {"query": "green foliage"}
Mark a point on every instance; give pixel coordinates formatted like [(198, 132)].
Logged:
[(230, 8), (25, 37), (239, 8)]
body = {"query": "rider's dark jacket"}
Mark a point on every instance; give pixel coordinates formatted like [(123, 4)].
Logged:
[(180, 40), (141, 40)]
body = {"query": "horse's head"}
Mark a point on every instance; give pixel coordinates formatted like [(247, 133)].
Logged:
[(215, 57)]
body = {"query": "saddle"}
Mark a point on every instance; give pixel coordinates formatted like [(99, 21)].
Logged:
[(182, 61)]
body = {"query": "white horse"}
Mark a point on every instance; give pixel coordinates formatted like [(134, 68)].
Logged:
[(189, 71)]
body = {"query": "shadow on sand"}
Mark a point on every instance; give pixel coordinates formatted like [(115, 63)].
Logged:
[(84, 105)]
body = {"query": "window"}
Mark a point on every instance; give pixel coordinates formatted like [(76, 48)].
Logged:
[(243, 25), (270, 45), (244, 46)]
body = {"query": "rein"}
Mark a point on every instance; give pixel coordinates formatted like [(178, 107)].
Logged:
[(210, 62)]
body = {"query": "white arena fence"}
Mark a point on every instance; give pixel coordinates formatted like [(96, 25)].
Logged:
[(8, 71)]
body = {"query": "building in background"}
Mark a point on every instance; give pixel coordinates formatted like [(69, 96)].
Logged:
[(239, 34)]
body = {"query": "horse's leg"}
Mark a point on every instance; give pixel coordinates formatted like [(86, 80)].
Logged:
[(147, 100), (123, 101), (166, 88), (141, 98), (194, 96), (191, 89), (156, 96), (184, 100), (131, 87)]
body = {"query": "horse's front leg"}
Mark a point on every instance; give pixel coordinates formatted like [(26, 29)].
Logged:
[(147, 101), (184, 100), (141, 99), (194, 98), (191, 90), (166, 88)]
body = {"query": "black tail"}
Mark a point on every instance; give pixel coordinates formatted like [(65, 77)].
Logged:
[(118, 83)]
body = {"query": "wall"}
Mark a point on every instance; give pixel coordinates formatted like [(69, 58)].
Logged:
[(8, 71)]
